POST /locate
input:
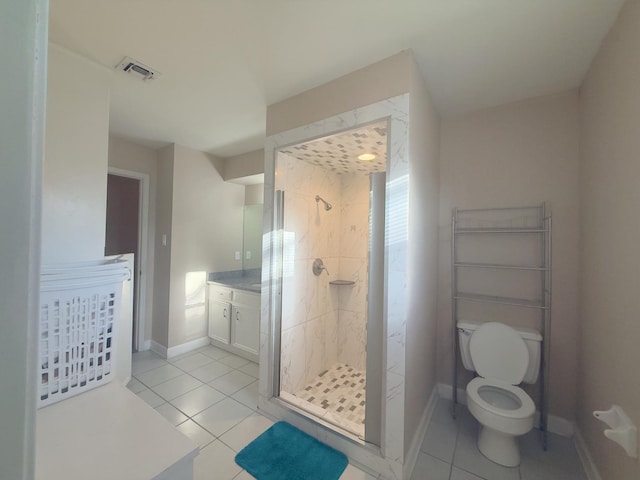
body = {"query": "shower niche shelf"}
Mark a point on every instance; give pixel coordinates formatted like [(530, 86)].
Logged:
[(342, 282)]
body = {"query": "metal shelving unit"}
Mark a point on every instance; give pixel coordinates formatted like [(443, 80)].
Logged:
[(510, 222)]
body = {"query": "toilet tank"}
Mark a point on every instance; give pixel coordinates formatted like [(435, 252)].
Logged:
[(531, 337)]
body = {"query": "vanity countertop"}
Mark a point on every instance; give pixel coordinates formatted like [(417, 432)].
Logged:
[(249, 280)]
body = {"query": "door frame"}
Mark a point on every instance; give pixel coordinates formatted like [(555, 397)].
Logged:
[(140, 286)]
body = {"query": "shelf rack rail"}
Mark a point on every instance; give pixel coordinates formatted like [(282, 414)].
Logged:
[(543, 303)]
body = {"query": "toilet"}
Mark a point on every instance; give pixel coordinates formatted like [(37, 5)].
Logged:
[(503, 357)]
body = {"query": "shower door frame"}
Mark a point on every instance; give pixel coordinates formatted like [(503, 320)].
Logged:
[(386, 457)]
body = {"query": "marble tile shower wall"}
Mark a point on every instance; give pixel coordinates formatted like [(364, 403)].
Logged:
[(354, 248), (322, 324), (309, 310)]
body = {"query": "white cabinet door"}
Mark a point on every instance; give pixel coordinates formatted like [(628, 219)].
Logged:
[(220, 321), (245, 326)]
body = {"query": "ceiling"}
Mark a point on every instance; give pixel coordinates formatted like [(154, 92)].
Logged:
[(339, 153), (223, 61)]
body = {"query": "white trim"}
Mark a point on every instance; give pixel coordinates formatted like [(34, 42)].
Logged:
[(143, 251), (414, 449), (146, 345), (187, 347), (157, 348), (445, 391), (585, 456), (558, 425)]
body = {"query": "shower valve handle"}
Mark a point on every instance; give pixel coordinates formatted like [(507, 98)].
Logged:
[(318, 267)]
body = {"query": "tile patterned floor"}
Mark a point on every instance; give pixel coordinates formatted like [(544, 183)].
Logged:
[(341, 389), (211, 396), (449, 452)]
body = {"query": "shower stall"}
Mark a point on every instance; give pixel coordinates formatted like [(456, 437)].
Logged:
[(326, 213), (333, 338)]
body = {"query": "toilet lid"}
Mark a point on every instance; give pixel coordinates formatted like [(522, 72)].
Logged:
[(499, 352)]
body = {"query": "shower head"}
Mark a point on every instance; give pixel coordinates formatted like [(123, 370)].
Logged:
[(327, 205)]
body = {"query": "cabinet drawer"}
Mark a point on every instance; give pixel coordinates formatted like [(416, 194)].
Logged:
[(219, 293), (246, 298)]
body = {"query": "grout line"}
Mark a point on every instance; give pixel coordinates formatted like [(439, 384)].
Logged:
[(215, 437)]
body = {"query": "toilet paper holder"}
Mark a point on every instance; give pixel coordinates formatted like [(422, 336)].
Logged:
[(621, 429)]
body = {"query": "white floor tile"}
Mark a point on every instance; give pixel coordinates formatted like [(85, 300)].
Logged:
[(135, 386), (430, 468), (216, 462), (182, 356), (243, 475), (147, 360), (248, 395), (353, 473), (177, 386), (171, 413), (196, 433), (250, 368), (457, 474), (159, 375), (213, 352), (151, 398), (561, 459), (234, 361), (245, 432), (197, 400), (468, 457), (232, 382), (443, 412), (222, 416), (440, 440), (192, 362), (210, 371)]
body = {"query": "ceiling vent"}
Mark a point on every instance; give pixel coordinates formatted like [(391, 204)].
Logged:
[(135, 68)]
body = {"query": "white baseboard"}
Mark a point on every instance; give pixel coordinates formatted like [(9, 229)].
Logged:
[(157, 348), (445, 391), (412, 454), (146, 345), (558, 425), (187, 347), (585, 456)]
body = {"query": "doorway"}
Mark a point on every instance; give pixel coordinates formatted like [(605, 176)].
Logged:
[(126, 232)]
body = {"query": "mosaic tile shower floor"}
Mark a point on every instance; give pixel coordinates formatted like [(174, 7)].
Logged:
[(340, 390)]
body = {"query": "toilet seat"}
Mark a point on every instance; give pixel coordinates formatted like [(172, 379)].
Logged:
[(526, 409), (498, 352)]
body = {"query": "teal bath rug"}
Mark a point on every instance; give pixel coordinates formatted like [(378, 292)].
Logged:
[(285, 453)]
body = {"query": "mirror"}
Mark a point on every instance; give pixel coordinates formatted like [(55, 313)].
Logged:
[(252, 237)]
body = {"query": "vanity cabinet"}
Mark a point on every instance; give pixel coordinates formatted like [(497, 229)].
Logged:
[(234, 320), (220, 313), (245, 321)]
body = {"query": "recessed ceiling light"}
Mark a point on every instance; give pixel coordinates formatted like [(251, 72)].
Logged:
[(366, 157)]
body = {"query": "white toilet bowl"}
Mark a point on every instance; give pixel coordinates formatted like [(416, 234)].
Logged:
[(501, 358), (504, 412)]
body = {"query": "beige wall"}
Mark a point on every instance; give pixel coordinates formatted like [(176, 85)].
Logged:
[(75, 164), (162, 263), (420, 370), (245, 165), (206, 231), (519, 154), (22, 96), (391, 78), (610, 282), (254, 194), (130, 156)]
